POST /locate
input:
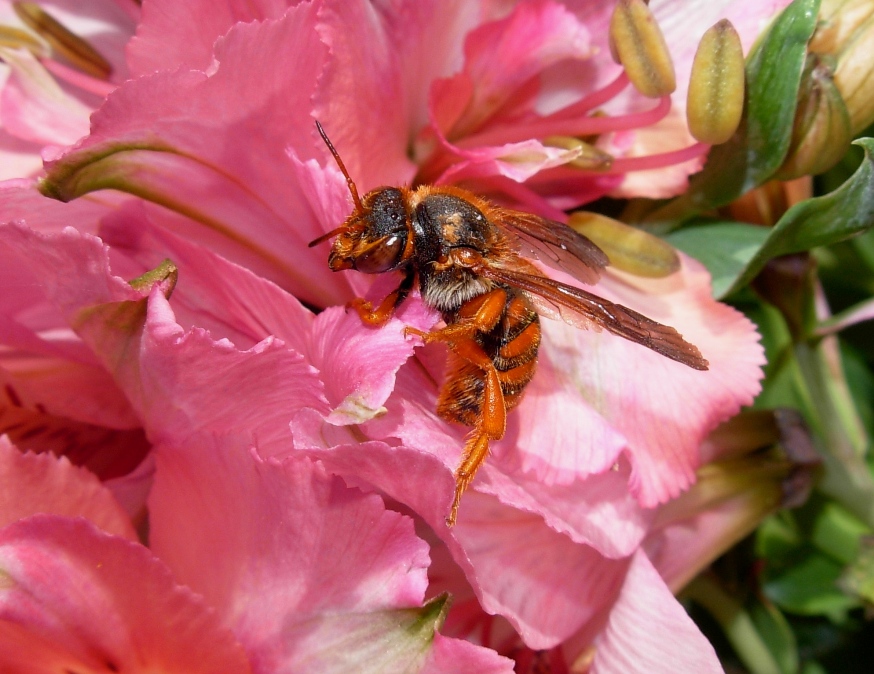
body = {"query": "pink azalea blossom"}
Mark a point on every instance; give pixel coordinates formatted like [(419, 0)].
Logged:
[(214, 139)]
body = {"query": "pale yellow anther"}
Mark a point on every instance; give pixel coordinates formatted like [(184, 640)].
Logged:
[(641, 49), (716, 88), (69, 45), (629, 249), (564, 142), (588, 156), (15, 38)]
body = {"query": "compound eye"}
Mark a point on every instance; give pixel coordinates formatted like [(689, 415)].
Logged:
[(384, 255)]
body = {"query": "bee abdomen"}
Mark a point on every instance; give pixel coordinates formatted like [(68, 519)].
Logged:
[(512, 346)]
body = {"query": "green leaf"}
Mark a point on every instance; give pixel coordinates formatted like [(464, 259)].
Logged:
[(725, 248), (757, 150), (836, 533), (809, 587), (822, 220), (858, 579)]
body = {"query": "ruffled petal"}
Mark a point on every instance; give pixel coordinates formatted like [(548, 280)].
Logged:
[(243, 197), (77, 599), (644, 619), (311, 574), (43, 483), (662, 408)]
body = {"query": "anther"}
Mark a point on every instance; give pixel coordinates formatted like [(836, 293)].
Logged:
[(641, 49), (15, 38), (72, 47), (629, 249), (716, 88), (589, 157)]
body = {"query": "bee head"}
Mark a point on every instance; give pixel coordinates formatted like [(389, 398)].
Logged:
[(374, 237)]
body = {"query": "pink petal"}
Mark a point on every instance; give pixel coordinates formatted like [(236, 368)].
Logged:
[(146, 349), (345, 351), (245, 198), (518, 567), (189, 382), (18, 158), (645, 618), (298, 562), (33, 106), (503, 55), (456, 656), (665, 413), (42, 483), (516, 161), (173, 34), (413, 477), (547, 586), (52, 371), (82, 600), (598, 511), (215, 294)]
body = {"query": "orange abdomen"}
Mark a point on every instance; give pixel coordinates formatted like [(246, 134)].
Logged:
[(511, 345)]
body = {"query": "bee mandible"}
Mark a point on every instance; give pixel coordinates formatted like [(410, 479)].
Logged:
[(466, 255)]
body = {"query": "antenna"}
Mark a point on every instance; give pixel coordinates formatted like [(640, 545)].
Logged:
[(342, 166)]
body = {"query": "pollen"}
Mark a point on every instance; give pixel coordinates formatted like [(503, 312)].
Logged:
[(716, 88), (69, 45), (641, 49)]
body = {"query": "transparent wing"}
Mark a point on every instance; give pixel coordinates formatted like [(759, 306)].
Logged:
[(552, 243), (585, 310)]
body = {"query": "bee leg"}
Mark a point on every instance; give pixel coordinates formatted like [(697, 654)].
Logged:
[(386, 308), (478, 315), (475, 452), (490, 424)]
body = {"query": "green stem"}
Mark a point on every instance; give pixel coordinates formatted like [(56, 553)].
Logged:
[(736, 623), (847, 478)]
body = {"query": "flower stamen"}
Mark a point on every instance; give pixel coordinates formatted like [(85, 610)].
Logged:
[(641, 49), (15, 38), (66, 43), (593, 125), (716, 87), (589, 157)]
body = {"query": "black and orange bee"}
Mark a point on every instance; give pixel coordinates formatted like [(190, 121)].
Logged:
[(466, 255)]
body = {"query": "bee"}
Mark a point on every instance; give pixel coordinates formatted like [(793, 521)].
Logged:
[(468, 258)]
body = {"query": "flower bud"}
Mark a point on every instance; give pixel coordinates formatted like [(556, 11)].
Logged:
[(764, 460), (629, 249), (716, 87), (846, 34), (822, 131), (640, 46)]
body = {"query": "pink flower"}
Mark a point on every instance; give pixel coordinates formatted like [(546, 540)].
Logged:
[(57, 64), (215, 141), (304, 573)]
